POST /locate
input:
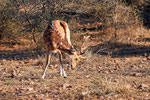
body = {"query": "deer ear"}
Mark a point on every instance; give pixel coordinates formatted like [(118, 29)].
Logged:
[(82, 53), (82, 57), (86, 37)]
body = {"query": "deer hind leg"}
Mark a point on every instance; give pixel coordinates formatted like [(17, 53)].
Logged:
[(62, 71), (47, 64)]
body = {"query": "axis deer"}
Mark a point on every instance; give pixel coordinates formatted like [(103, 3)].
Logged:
[(57, 39)]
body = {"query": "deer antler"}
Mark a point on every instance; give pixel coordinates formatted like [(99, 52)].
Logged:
[(85, 45)]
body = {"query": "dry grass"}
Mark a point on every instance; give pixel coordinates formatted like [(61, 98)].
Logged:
[(98, 77), (116, 68)]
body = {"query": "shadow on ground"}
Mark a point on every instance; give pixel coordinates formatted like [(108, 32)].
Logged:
[(111, 49), (120, 49), (20, 54)]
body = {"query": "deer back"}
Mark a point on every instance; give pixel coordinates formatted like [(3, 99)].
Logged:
[(56, 36)]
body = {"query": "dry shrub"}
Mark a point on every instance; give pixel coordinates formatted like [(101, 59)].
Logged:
[(118, 19), (116, 15), (9, 25)]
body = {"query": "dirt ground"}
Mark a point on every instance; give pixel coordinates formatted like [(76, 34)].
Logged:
[(111, 71), (122, 74)]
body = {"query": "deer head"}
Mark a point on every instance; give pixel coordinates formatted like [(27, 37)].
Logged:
[(78, 56)]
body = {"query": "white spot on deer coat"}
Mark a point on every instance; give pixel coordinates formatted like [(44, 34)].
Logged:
[(61, 43)]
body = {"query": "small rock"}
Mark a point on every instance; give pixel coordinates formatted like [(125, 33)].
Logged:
[(32, 82), (47, 99), (66, 85), (117, 67), (127, 86), (142, 86), (17, 67), (3, 90), (87, 76), (137, 74), (21, 62), (22, 80), (115, 61), (111, 71), (106, 72), (12, 76), (38, 63), (144, 59), (14, 73), (85, 92), (5, 69), (115, 80), (26, 62), (101, 98), (28, 89), (21, 91), (39, 97), (132, 66), (2, 63)]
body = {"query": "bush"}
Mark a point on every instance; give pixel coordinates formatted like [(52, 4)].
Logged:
[(29, 19), (117, 15), (9, 26)]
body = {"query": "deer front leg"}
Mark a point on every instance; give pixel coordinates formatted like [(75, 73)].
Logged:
[(70, 62), (47, 64), (62, 71)]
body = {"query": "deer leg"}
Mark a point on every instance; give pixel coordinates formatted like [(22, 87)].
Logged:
[(70, 62), (62, 71), (47, 64)]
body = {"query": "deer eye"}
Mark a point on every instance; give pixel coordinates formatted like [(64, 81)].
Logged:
[(76, 58)]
